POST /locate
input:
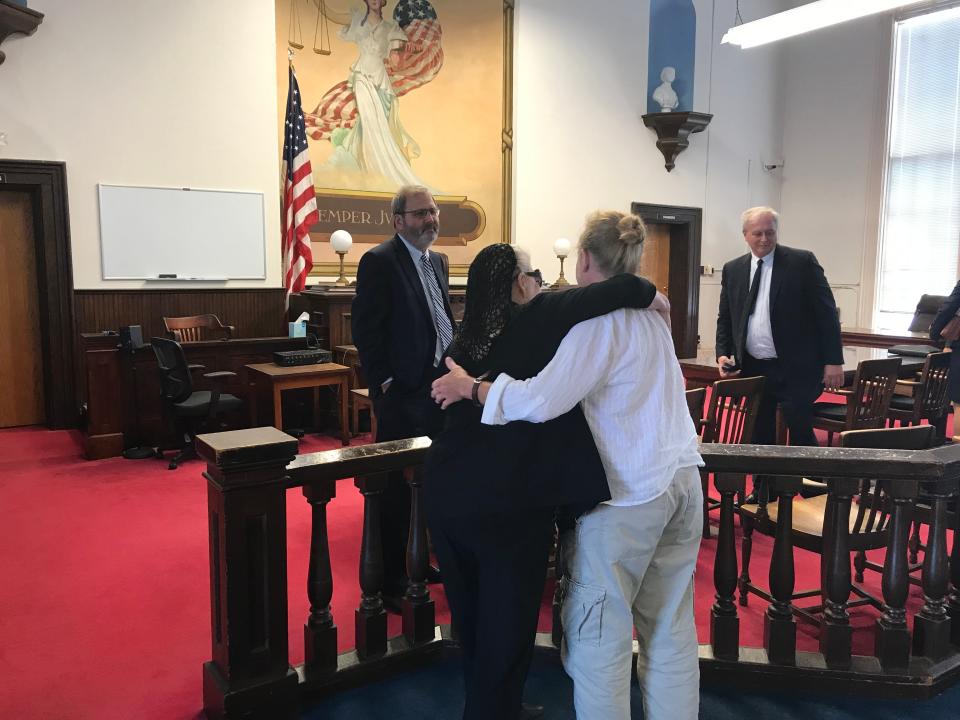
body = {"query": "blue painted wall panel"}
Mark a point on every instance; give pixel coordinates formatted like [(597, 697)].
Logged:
[(673, 38)]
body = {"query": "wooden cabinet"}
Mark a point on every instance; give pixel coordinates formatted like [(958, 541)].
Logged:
[(329, 310)]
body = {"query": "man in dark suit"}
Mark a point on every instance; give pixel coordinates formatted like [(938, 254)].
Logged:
[(402, 323), (778, 319)]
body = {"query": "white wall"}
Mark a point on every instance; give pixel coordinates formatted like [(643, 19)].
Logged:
[(181, 93), (580, 89), (836, 83)]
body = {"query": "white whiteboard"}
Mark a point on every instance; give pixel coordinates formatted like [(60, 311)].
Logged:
[(147, 232)]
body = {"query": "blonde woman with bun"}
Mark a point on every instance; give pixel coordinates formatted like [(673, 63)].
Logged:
[(630, 560)]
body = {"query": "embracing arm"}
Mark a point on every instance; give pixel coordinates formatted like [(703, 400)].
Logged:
[(569, 307), (579, 366), (369, 313), (946, 312), (563, 382)]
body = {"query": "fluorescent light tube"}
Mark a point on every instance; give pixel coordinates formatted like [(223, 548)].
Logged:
[(813, 16)]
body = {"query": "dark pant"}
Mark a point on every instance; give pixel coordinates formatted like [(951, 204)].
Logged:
[(494, 566), (401, 413), (794, 395)]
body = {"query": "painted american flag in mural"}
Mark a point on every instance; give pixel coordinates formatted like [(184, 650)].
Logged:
[(420, 60)]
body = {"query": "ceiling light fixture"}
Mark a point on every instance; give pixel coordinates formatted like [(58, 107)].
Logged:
[(813, 16)]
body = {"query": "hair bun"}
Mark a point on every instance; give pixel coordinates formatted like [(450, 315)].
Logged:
[(632, 230)]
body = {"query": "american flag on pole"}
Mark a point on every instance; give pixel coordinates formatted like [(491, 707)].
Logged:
[(299, 200), (420, 61)]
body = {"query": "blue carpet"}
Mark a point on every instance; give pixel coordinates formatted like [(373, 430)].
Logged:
[(436, 693)]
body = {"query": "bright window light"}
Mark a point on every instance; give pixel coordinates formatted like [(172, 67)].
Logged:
[(805, 18)]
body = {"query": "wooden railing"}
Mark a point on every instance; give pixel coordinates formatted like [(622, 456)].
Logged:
[(903, 663), (250, 471)]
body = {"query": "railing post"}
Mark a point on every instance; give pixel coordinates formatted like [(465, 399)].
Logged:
[(779, 627), (931, 627), (419, 619), (836, 635), (250, 674), (319, 632), (892, 644), (724, 623), (370, 619)]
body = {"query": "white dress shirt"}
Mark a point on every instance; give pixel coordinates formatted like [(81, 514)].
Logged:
[(623, 368), (415, 255), (759, 332)]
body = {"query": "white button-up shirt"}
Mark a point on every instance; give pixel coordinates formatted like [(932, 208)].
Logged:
[(623, 369), (759, 332)]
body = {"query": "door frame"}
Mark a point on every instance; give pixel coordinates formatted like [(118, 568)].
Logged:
[(46, 184)]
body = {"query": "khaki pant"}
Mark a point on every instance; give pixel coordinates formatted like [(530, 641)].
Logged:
[(632, 568)]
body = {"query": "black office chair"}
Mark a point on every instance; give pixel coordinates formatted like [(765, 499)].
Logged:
[(926, 311), (190, 407)]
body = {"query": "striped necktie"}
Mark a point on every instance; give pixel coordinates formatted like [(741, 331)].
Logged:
[(444, 328)]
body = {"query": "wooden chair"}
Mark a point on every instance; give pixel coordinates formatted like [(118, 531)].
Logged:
[(730, 418), (868, 524), (929, 401), (195, 328), (695, 401), (868, 400), (360, 400)]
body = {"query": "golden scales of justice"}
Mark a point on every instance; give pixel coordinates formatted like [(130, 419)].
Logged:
[(321, 33)]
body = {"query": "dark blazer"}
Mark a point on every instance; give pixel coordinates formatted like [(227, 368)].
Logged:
[(803, 314), (392, 325), (949, 308), (480, 468)]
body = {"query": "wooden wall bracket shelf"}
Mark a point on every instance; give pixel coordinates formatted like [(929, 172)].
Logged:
[(16, 19), (673, 129)]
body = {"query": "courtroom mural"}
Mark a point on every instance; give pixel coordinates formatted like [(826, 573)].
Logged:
[(403, 92)]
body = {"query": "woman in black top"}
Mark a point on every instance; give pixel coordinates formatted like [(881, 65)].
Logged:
[(491, 492)]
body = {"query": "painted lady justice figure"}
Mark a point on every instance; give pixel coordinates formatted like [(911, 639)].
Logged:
[(361, 115)]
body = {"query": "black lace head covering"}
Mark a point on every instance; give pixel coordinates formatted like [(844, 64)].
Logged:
[(488, 305)]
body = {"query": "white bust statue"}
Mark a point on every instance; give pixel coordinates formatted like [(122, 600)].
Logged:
[(665, 95)]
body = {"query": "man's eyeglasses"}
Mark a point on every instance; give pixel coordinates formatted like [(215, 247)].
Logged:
[(537, 277), (423, 213)]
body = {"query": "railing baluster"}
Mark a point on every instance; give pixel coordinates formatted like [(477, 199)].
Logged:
[(418, 609), (779, 627), (836, 635), (931, 627), (724, 623), (319, 632), (370, 618), (892, 644)]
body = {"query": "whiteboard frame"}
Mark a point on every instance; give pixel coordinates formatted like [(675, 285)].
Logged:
[(179, 279)]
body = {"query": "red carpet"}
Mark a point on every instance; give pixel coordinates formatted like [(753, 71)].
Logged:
[(104, 606)]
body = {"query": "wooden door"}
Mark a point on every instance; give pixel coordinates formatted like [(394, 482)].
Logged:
[(655, 261), (21, 358)]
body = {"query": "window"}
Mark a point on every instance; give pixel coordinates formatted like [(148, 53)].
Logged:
[(920, 226)]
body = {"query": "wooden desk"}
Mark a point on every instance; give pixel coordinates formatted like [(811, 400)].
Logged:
[(121, 389), (701, 371), (300, 376), (884, 338)]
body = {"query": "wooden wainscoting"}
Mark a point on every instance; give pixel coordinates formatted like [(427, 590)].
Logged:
[(254, 313)]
